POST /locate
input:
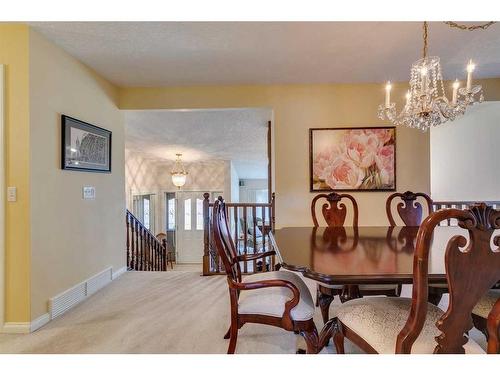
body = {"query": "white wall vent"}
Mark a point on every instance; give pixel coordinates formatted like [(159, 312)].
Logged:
[(99, 281), (61, 303), (66, 300)]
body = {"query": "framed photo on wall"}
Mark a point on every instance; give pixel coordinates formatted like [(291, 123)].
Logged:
[(353, 159), (85, 147)]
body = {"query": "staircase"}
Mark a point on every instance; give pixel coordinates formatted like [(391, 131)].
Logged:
[(144, 251)]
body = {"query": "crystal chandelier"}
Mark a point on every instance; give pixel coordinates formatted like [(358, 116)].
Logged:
[(179, 174), (426, 102)]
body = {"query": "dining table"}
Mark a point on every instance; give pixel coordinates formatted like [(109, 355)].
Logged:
[(362, 255), (353, 256)]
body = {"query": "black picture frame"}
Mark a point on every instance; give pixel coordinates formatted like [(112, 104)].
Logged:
[(84, 147), (314, 189)]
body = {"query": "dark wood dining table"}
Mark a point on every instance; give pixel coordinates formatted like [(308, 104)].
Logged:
[(359, 255)]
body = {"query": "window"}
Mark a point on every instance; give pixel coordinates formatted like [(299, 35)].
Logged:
[(170, 213), (146, 213), (187, 214), (143, 208), (199, 214)]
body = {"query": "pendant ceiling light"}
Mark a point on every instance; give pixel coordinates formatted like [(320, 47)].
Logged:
[(426, 102), (179, 174)]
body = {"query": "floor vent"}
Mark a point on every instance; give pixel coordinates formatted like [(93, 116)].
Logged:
[(61, 303)]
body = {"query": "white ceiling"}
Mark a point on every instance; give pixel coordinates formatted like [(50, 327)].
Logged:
[(238, 135), (189, 53)]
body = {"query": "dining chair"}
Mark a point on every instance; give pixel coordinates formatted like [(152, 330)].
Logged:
[(277, 298), (413, 325), (411, 213), (409, 208), (334, 212)]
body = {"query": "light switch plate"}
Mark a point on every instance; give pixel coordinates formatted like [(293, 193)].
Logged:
[(11, 194), (88, 192)]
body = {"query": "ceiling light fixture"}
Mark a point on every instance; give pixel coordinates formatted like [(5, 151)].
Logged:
[(426, 101), (179, 174)]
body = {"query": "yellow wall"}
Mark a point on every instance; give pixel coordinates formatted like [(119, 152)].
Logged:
[(14, 53), (72, 238), (296, 109)]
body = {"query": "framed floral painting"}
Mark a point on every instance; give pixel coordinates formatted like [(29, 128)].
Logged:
[(355, 159)]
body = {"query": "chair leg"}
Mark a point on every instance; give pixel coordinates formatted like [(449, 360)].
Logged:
[(312, 338), (228, 333), (338, 339), (324, 301), (233, 336), (493, 329), (350, 292)]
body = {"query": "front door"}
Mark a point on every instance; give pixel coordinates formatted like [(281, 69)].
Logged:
[(190, 227)]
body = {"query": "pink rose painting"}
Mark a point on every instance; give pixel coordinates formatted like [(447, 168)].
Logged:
[(353, 159)]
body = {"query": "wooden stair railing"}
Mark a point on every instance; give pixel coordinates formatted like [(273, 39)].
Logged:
[(461, 205), (250, 236), (144, 251)]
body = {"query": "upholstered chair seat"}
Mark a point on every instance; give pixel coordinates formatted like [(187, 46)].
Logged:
[(271, 301), (485, 304), (378, 320)]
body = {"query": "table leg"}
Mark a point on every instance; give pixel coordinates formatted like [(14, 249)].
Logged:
[(350, 292)]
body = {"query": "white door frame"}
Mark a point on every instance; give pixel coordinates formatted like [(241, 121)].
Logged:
[(2, 197)]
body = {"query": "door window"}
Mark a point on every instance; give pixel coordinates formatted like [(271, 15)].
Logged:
[(199, 214), (187, 214), (171, 213)]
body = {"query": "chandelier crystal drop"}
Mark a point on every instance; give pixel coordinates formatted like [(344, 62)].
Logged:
[(179, 174), (426, 102)]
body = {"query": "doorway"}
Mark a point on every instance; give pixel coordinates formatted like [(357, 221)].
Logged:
[(189, 228)]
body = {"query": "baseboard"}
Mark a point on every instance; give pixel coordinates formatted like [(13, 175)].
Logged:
[(66, 300), (16, 327), (26, 327), (118, 273)]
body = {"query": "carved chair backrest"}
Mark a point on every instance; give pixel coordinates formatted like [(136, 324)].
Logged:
[(334, 211), (223, 240), (409, 210), (472, 268)]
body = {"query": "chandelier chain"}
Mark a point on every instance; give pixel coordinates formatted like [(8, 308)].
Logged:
[(424, 51), (483, 26)]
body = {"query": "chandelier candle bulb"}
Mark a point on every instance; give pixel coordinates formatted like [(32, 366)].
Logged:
[(456, 85), (388, 94), (408, 96), (470, 69)]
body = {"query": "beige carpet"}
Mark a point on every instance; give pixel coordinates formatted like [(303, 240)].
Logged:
[(157, 312)]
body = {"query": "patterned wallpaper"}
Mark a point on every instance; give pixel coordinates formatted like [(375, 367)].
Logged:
[(148, 176)]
